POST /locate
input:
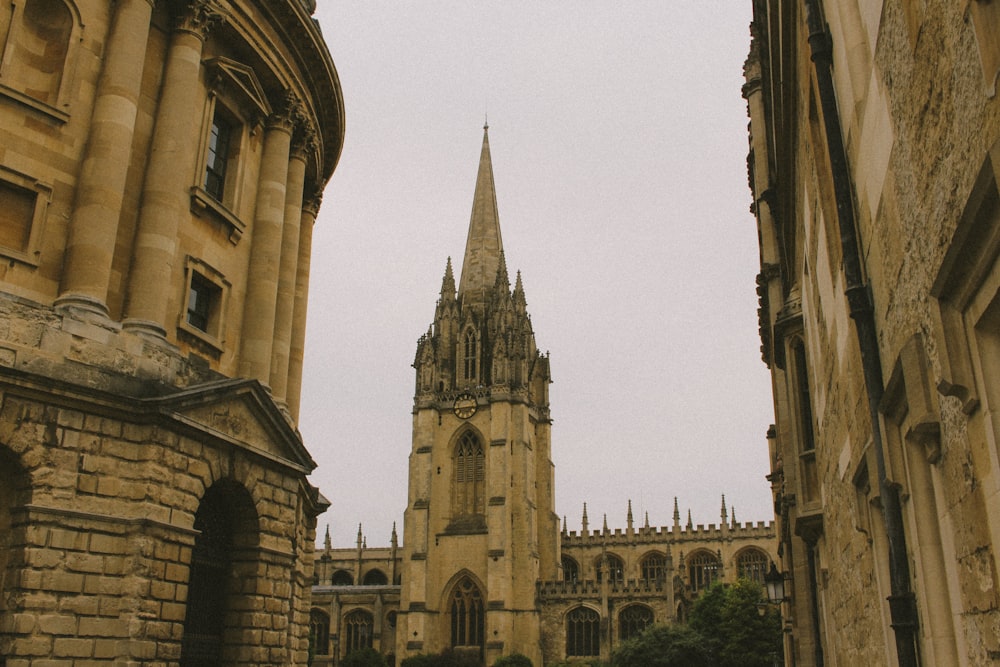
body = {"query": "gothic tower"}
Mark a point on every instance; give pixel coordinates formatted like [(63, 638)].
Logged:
[(479, 527)]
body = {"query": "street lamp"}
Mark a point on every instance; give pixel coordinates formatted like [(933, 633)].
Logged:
[(774, 582)]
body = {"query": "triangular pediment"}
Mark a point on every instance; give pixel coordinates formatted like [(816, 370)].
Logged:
[(240, 85), (242, 413)]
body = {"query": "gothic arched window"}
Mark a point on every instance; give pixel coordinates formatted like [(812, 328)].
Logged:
[(470, 475), (470, 355), (653, 568), (583, 632), (319, 632), (467, 614), (615, 567), (571, 571), (359, 626), (752, 564), (703, 569), (342, 578), (375, 578), (633, 619)]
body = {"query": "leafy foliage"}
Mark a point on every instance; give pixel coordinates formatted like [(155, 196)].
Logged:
[(365, 657), (725, 629), (664, 646), (513, 660)]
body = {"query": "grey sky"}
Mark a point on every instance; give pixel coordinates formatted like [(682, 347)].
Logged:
[(618, 137)]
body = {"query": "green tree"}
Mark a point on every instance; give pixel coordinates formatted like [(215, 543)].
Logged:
[(365, 657), (731, 622), (663, 646)]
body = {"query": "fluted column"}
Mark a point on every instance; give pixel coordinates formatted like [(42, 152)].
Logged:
[(93, 227), (296, 357), (285, 307), (265, 249), (166, 189)]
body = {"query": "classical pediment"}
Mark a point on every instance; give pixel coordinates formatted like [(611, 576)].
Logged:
[(241, 413)]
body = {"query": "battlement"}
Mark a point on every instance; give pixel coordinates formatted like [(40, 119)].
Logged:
[(748, 530), (556, 590)]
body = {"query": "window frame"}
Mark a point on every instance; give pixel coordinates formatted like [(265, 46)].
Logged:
[(214, 336), (236, 96), (43, 197), (583, 632)]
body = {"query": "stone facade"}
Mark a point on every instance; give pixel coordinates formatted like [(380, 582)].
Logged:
[(161, 165), (875, 171), (484, 566)]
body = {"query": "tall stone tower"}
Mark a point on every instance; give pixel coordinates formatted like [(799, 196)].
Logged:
[(479, 527)]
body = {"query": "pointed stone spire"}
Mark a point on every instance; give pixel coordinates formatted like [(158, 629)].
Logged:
[(564, 531), (677, 517), (732, 513), (483, 244), (628, 519), (690, 526), (725, 514), (360, 538), (605, 529), (646, 522), (394, 539), (448, 283), (327, 545), (586, 523), (519, 299), (364, 543), (502, 283)]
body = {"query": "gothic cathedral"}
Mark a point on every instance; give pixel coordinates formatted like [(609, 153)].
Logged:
[(484, 567)]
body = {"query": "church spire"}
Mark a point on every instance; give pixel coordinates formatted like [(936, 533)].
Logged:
[(483, 245)]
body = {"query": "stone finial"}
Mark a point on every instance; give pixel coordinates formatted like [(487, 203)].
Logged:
[(360, 538), (724, 514), (327, 545), (646, 522), (394, 539), (628, 518), (690, 525), (564, 531), (677, 512), (586, 523)]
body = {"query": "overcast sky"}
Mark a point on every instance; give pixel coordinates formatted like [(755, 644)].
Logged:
[(619, 142)]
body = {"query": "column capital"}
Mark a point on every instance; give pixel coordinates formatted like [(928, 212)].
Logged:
[(198, 17), (286, 114), (304, 141), (311, 202)]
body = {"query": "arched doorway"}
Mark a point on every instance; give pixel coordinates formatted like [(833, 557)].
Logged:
[(222, 559)]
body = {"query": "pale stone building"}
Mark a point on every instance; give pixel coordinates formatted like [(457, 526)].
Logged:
[(875, 171), (484, 566), (161, 165)]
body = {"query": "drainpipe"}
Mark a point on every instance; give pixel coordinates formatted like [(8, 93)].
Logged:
[(902, 603)]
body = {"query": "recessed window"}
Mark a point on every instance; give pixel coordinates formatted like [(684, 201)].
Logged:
[(219, 143), (203, 298), (204, 308), (470, 355), (17, 209), (23, 204), (583, 632)]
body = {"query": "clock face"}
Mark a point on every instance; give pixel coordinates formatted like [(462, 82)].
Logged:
[(465, 406)]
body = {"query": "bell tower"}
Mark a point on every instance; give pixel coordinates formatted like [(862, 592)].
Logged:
[(479, 527)]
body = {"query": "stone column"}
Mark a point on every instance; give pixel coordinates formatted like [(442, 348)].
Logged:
[(296, 356), (289, 262), (166, 189), (265, 250), (93, 227)]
